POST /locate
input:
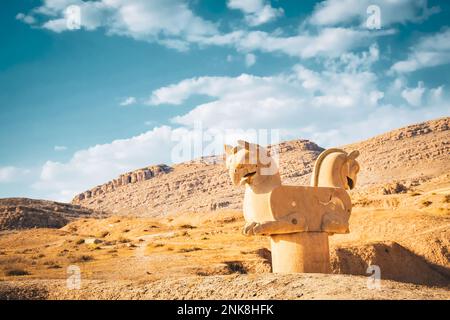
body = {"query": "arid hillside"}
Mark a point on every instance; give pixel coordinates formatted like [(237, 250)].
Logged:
[(409, 155), (22, 213)]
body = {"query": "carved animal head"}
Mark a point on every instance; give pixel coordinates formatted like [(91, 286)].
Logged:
[(350, 169), (336, 168), (249, 163)]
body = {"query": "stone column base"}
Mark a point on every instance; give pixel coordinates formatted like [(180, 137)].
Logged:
[(304, 252)]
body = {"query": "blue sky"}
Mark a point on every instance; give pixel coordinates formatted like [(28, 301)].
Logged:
[(78, 107)]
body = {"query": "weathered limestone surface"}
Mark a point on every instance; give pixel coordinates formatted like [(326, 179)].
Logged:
[(22, 213), (124, 179)]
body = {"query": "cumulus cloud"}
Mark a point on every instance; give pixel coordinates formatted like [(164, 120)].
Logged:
[(25, 18), (420, 95), (332, 106), (436, 95), (11, 174), (250, 59), (173, 24), (345, 12), (430, 51), (128, 101), (414, 95), (327, 42), (101, 163), (300, 98), (60, 148), (168, 22), (256, 12)]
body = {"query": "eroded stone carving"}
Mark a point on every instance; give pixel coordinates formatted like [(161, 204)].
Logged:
[(298, 219)]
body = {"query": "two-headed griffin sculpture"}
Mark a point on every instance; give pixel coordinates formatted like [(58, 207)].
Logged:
[(272, 209)]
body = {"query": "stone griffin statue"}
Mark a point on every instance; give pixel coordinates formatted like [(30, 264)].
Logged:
[(298, 219)]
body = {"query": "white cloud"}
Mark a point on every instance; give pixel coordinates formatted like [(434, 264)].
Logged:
[(101, 163), (420, 95), (60, 148), (56, 25), (332, 106), (284, 101), (327, 42), (25, 18), (250, 59), (353, 62), (414, 95), (436, 95), (11, 174), (7, 174), (344, 12), (256, 12), (299, 98), (172, 24), (430, 51), (128, 101), (168, 22)]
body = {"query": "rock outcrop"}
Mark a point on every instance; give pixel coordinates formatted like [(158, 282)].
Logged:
[(124, 179), (21, 213)]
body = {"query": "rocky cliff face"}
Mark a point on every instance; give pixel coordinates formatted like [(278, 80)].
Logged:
[(412, 155), (21, 213), (124, 179)]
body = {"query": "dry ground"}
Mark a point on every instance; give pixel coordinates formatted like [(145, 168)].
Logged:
[(203, 255)]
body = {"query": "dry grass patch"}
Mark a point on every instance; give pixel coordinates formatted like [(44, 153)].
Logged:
[(427, 203), (187, 226), (52, 264), (81, 258), (123, 240), (236, 267), (15, 272), (103, 234), (185, 250)]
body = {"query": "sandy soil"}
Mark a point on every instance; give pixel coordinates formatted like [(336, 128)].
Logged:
[(201, 255)]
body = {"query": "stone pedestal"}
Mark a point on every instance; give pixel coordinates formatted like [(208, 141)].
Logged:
[(303, 252)]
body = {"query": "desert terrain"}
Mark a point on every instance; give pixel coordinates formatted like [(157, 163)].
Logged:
[(174, 232)]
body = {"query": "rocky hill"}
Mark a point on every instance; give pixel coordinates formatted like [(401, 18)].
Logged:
[(21, 213), (411, 155)]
